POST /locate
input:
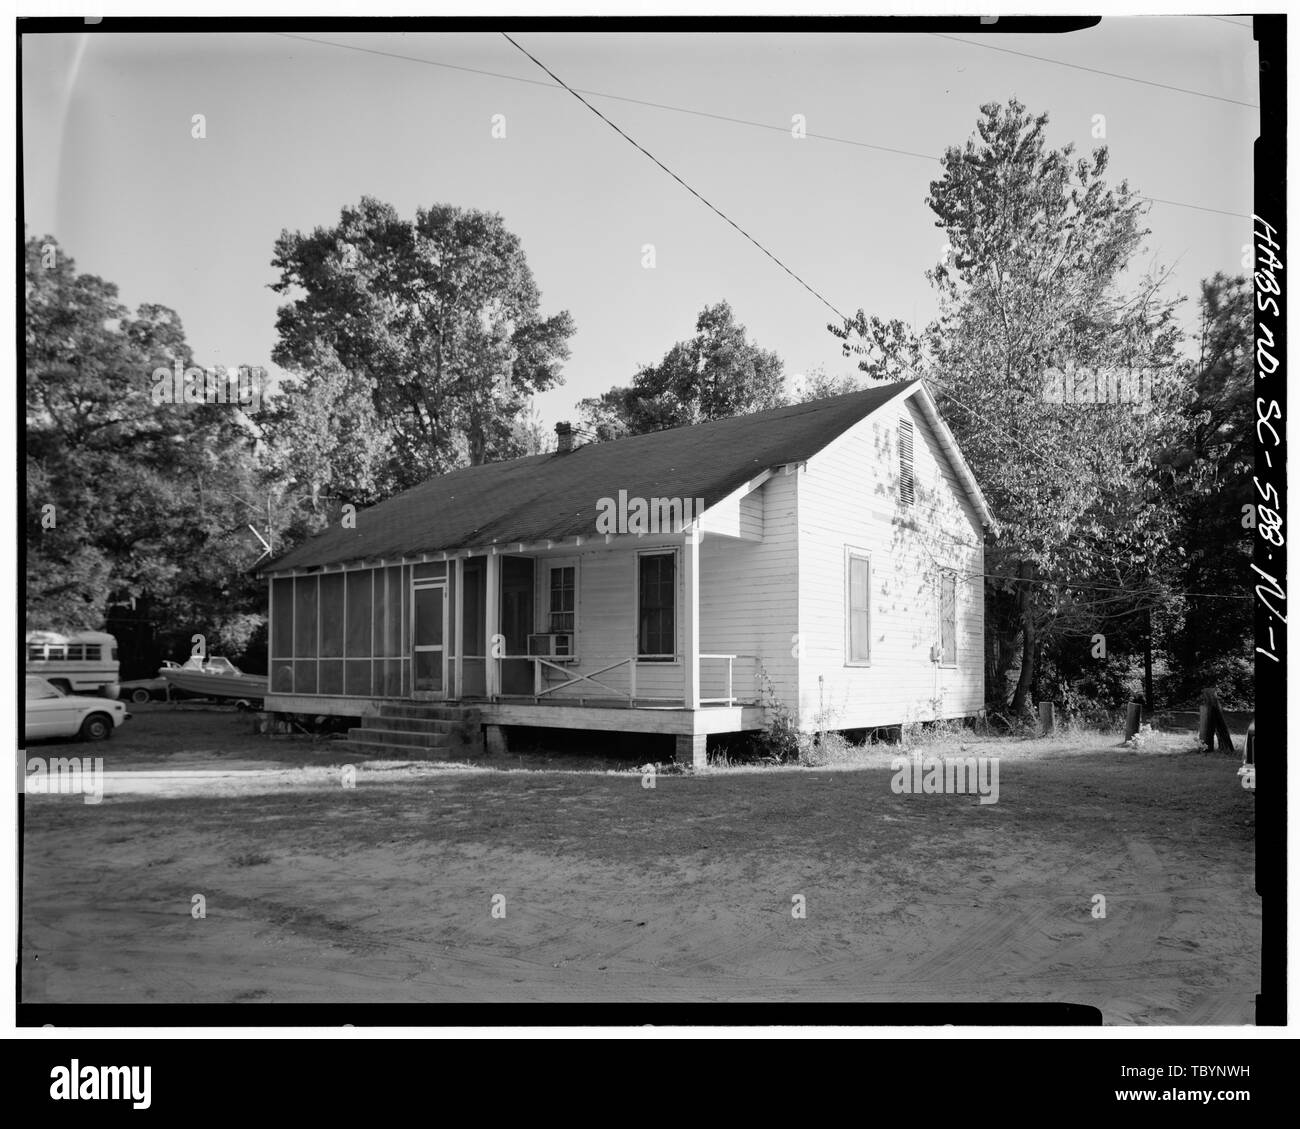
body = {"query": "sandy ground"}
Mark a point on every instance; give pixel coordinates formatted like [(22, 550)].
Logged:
[(384, 891)]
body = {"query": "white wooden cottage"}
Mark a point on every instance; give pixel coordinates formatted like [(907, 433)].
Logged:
[(826, 556)]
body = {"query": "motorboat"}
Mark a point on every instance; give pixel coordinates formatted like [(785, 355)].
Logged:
[(213, 677)]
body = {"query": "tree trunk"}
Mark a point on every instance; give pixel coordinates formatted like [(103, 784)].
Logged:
[(1029, 649)]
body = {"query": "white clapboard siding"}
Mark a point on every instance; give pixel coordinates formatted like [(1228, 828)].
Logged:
[(748, 604), (749, 598), (849, 496), (606, 624)]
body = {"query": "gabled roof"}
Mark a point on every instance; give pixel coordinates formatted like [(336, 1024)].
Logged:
[(554, 496)]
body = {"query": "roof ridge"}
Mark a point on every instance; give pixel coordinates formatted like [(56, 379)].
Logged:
[(553, 495)]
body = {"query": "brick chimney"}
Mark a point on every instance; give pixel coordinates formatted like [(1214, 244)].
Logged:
[(564, 437)]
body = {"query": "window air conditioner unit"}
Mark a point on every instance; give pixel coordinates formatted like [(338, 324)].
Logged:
[(556, 646)]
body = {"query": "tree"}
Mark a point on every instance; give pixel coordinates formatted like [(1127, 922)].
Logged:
[(1209, 486), (130, 520), (437, 319), (1030, 285), (715, 374), (818, 384)]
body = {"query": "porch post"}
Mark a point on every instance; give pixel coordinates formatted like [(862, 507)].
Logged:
[(458, 629), (691, 617), (492, 669)]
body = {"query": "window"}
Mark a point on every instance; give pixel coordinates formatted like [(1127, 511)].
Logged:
[(906, 480), (948, 618), (563, 598), (858, 601), (657, 606)]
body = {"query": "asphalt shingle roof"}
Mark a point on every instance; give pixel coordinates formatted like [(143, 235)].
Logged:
[(555, 496)]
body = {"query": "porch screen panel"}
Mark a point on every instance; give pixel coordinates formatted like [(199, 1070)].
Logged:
[(282, 619), (304, 676), (393, 620), (404, 627), (380, 621), (356, 677), (281, 676), (404, 621), (473, 665), (281, 657), (331, 676), (392, 686), (329, 673), (304, 618), (357, 635), (473, 601), (331, 616), (450, 641)]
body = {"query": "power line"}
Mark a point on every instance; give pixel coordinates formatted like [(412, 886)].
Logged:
[(717, 211), (1235, 23), (821, 298), (988, 423), (1094, 70), (1195, 207), (854, 142)]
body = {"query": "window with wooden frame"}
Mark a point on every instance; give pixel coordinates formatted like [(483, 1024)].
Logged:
[(906, 476), (562, 598), (656, 607), (948, 618), (857, 603)]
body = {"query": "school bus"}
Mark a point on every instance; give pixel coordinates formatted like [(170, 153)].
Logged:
[(84, 663)]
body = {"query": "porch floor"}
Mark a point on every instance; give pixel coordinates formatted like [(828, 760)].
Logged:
[(609, 714)]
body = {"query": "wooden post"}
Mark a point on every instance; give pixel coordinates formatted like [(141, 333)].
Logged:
[(492, 624), (458, 629), (1047, 717), (1214, 724), (691, 618), (1133, 722)]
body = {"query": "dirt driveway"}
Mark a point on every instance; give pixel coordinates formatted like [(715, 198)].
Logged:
[(385, 891)]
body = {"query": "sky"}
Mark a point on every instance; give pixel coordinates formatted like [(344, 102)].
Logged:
[(297, 130)]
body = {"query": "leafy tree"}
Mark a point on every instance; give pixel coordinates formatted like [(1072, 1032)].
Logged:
[(129, 521), (717, 373), (1031, 282), (436, 319), (896, 352), (1209, 485)]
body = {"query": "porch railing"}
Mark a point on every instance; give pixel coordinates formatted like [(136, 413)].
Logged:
[(591, 679)]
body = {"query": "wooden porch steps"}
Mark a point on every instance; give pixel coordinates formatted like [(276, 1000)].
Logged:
[(418, 731)]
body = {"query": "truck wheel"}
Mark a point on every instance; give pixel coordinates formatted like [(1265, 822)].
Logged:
[(140, 695), (97, 727), (112, 691)]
